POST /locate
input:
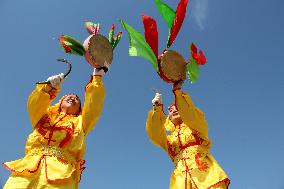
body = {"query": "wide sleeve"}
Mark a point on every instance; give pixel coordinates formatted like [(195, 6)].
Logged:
[(39, 101), (94, 100), (155, 127), (191, 115)]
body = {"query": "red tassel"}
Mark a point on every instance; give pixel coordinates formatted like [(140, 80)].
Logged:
[(151, 33), (200, 58), (193, 50)]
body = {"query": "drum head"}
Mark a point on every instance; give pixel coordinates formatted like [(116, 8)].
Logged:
[(172, 67), (99, 51)]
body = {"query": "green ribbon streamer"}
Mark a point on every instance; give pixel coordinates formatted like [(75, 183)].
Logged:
[(167, 13), (192, 70), (138, 45)]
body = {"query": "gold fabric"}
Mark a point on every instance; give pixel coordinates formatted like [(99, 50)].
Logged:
[(57, 143), (39, 181), (187, 145)]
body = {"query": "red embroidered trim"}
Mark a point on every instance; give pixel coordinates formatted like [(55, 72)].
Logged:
[(52, 94), (52, 128), (45, 164), (172, 150), (70, 133), (202, 166), (91, 80), (198, 141), (191, 179), (55, 180), (179, 140), (51, 91), (186, 172), (19, 172), (82, 168), (226, 180), (40, 125), (43, 130)]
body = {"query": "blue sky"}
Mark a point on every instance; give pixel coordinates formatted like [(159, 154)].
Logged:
[(240, 89)]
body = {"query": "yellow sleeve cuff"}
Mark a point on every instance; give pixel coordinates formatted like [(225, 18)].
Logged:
[(158, 108), (177, 92), (97, 78), (52, 92), (94, 79)]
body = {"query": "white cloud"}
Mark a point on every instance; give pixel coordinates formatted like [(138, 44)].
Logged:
[(200, 12)]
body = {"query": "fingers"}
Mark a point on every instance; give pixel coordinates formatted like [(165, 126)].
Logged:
[(56, 80), (61, 76), (157, 100)]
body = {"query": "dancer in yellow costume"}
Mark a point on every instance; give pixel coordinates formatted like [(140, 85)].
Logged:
[(187, 144), (55, 149)]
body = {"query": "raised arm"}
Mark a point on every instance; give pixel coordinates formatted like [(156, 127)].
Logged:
[(39, 101), (42, 96), (191, 115), (155, 126), (94, 100)]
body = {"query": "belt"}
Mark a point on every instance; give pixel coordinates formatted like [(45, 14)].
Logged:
[(189, 153), (52, 151)]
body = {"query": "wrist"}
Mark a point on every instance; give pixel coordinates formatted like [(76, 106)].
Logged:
[(98, 72), (158, 107), (177, 85)]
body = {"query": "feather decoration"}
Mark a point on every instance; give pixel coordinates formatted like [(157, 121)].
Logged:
[(178, 20), (151, 33), (92, 28), (71, 45), (139, 47)]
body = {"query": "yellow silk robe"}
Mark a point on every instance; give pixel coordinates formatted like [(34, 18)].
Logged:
[(55, 149), (187, 145)]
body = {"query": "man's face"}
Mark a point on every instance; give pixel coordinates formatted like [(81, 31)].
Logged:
[(71, 104), (174, 115)]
